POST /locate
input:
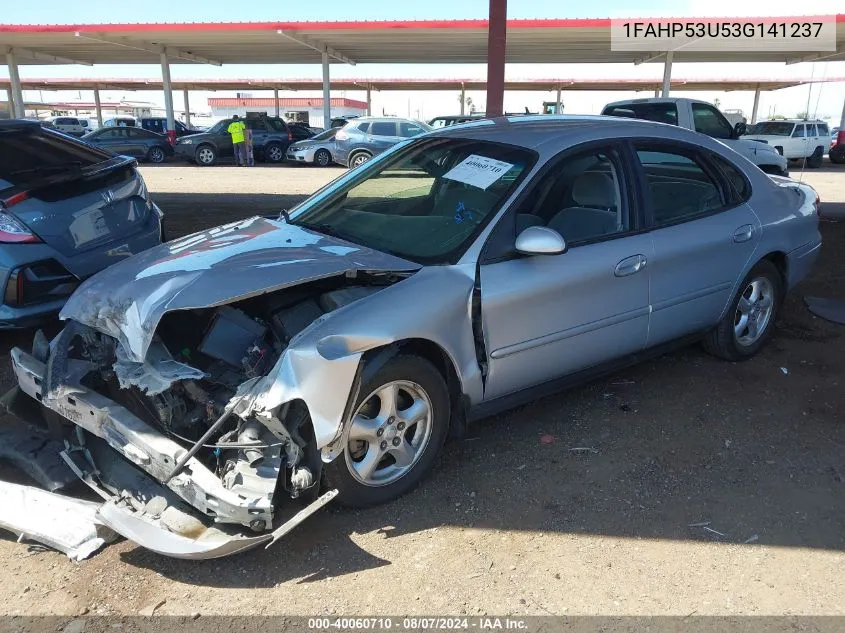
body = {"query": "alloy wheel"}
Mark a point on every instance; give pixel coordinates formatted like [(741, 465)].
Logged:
[(753, 311)]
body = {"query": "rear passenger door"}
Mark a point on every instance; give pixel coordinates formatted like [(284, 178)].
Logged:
[(798, 143), (383, 135), (135, 145), (704, 235)]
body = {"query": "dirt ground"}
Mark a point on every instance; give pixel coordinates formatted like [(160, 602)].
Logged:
[(512, 525)]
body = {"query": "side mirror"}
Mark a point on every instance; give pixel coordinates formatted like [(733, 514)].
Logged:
[(540, 240), (740, 129)]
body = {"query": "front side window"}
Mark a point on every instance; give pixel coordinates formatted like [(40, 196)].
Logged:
[(407, 129), (220, 127), (772, 128), (425, 202), (581, 198), (708, 120), (680, 187), (799, 131), (383, 128), (823, 129)]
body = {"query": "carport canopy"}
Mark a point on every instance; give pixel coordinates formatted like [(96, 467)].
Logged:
[(582, 40)]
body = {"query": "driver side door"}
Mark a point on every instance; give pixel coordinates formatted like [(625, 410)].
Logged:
[(547, 316)]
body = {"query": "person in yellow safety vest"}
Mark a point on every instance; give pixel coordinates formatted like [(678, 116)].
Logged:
[(236, 129)]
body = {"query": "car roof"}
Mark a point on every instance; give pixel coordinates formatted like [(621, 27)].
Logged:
[(656, 100), (531, 131), (793, 121), (10, 125)]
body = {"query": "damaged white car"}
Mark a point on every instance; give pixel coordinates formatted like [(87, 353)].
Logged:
[(219, 389)]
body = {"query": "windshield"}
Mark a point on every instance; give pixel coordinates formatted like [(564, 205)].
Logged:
[(772, 128), (424, 202), (324, 136)]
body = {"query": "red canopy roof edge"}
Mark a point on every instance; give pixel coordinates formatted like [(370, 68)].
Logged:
[(371, 25)]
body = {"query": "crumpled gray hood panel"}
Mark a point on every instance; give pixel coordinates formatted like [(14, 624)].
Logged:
[(210, 268)]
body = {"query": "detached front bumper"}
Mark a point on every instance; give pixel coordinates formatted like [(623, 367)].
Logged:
[(191, 516)]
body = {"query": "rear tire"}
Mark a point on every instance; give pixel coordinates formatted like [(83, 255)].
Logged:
[(390, 448), (837, 154), (322, 158), (750, 319), (815, 161), (274, 153), (358, 159), (205, 156)]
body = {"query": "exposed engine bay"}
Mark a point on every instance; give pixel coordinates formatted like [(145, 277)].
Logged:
[(174, 416)]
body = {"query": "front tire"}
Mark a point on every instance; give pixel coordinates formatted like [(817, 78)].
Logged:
[(156, 155), (750, 320), (398, 427), (205, 156), (359, 159), (837, 154), (322, 158)]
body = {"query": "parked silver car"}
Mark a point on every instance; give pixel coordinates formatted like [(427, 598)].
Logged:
[(213, 387), (317, 150)]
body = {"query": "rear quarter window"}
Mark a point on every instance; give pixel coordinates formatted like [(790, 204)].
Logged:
[(27, 156)]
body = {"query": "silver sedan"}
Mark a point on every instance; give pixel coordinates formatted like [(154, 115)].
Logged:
[(317, 150), (255, 371)]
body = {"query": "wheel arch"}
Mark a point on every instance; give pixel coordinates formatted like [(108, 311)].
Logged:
[(434, 353)]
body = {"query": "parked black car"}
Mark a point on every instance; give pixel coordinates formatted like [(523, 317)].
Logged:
[(270, 136), (132, 141), (158, 124), (300, 131)]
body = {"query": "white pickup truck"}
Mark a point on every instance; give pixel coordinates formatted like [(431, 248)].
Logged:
[(705, 118)]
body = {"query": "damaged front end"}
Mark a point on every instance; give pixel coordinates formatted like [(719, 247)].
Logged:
[(202, 426)]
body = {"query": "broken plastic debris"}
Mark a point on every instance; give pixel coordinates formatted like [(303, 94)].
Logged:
[(63, 523), (713, 531), (583, 449), (784, 370), (751, 539)]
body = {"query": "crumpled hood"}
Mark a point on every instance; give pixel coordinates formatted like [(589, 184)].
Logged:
[(210, 268)]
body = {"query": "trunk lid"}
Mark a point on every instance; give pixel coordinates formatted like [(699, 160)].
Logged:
[(86, 208)]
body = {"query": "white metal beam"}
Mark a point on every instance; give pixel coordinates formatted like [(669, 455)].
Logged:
[(327, 93), (156, 49), (16, 103), (317, 46), (817, 57), (667, 74), (168, 97), (756, 105), (28, 53), (98, 106)]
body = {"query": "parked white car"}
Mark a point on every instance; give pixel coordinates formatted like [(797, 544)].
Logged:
[(705, 118), (794, 139), (69, 125)]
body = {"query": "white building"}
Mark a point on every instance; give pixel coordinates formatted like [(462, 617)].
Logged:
[(306, 109)]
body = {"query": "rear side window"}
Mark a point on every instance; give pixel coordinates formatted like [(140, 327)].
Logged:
[(658, 112), (741, 187), (383, 128), (680, 187), (31, 156), (824, 130)]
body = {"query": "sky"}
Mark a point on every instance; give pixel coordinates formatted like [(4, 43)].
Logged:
[(825, 99)]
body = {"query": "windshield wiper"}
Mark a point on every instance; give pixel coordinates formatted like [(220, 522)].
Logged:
[(46, 169), (325, 229)]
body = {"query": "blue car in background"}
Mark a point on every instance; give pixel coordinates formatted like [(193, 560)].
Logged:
[(67, 211), (361, 139)]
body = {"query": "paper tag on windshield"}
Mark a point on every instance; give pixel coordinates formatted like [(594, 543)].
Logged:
[(478, 171)]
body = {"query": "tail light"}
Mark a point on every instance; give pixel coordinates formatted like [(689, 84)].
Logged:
[(341, 136), (12, 231), (39, 282), (290, 135), (840, 137)]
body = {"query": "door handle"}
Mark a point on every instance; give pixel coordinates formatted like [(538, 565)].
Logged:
[(743, 233), (630, 265)]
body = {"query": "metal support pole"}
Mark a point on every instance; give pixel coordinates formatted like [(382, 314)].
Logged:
[(656, 92), (667, 74), (842, 121), (496, 41), (168, 97), (327, 92), (98, 107), (756, 104), (276, 100), (18, 108), (369, 102), (557, 101), (463, 99), (187, 101)]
